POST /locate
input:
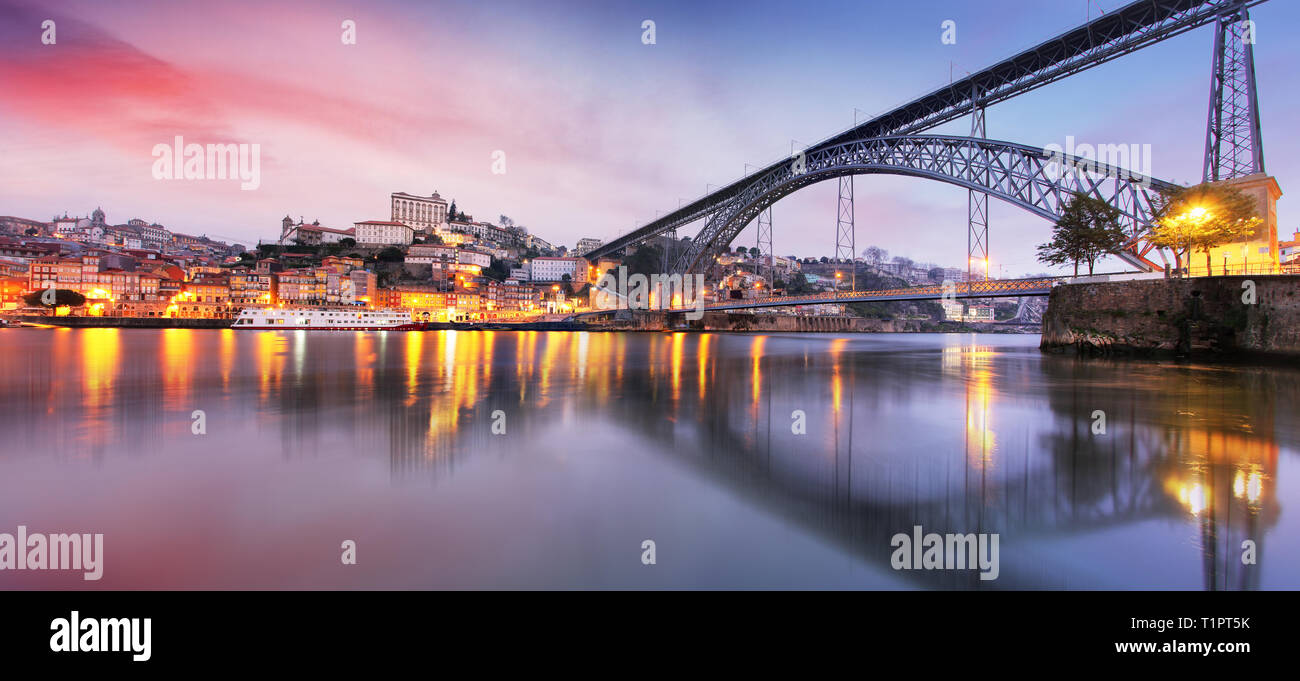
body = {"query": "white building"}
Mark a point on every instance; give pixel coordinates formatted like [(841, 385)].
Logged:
[(534, 241), (424, 214), (312, 234), (381, 232), (483, 230), (554, 269), (952, 310), (1290, 250), (429, 254), (586, 245), (153, 235), (471, 257), (433, 254)]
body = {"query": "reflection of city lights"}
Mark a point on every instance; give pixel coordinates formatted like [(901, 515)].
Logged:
[(1254, 486), (1249, 486), (1192, 497)]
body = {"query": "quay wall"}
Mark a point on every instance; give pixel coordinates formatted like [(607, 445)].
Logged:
[(1201, 317)]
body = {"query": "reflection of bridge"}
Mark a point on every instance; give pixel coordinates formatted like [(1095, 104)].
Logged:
[(993, 288), (1021, 175)]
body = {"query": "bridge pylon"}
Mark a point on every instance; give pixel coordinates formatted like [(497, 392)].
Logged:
[(845, 231), (1234, 144), (764, 246), (670, 247), (977, 206)]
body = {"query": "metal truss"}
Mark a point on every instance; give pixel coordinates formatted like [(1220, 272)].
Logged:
[(977, 210), (1022, 175), (764, 245), (1130, 28), (1234, 146), (670, 249), (845, 232)]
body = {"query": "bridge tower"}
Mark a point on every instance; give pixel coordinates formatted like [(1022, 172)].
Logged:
[(977, 205), (1234, 145), (670, 246), (845, 233), (765, 246)]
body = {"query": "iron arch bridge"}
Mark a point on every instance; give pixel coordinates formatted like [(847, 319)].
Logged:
[(1036, 180)]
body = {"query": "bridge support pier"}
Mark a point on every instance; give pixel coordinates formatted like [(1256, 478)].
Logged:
[(845, 231), (1234, 145), (764, 245), (670, 245), (977, 208)]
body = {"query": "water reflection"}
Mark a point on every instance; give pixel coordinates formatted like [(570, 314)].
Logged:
[(953, 433)]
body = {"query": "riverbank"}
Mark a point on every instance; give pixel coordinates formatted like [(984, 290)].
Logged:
[(1204, 317), (120, 322), (714, 322), (178, 323)]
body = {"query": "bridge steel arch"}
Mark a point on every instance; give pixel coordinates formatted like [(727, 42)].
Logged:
[(1031, 178)]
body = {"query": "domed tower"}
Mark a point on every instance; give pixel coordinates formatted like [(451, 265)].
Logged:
[(97, 218)]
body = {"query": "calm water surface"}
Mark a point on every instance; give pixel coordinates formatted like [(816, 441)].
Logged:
[(386, 439)]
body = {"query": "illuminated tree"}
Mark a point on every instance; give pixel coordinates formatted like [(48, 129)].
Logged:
[(1203, 217)]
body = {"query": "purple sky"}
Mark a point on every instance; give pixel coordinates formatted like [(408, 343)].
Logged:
[(600, 131)]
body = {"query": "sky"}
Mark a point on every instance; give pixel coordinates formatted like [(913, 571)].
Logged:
[(600, 132)]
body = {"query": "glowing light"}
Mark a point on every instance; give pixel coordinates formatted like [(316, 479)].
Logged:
[(1254, 486), (1192, 497)]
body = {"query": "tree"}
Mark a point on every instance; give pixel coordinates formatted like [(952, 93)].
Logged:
[(497, 270), (348, 242), (31, 231), (1205, 216), (61, 298), (875, 255), (1087, 230), (391, 254), (798, 285)]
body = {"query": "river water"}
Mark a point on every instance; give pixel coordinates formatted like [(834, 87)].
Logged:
[(463, 459)]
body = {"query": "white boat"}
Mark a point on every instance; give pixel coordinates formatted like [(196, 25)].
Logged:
[(327, 319)]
